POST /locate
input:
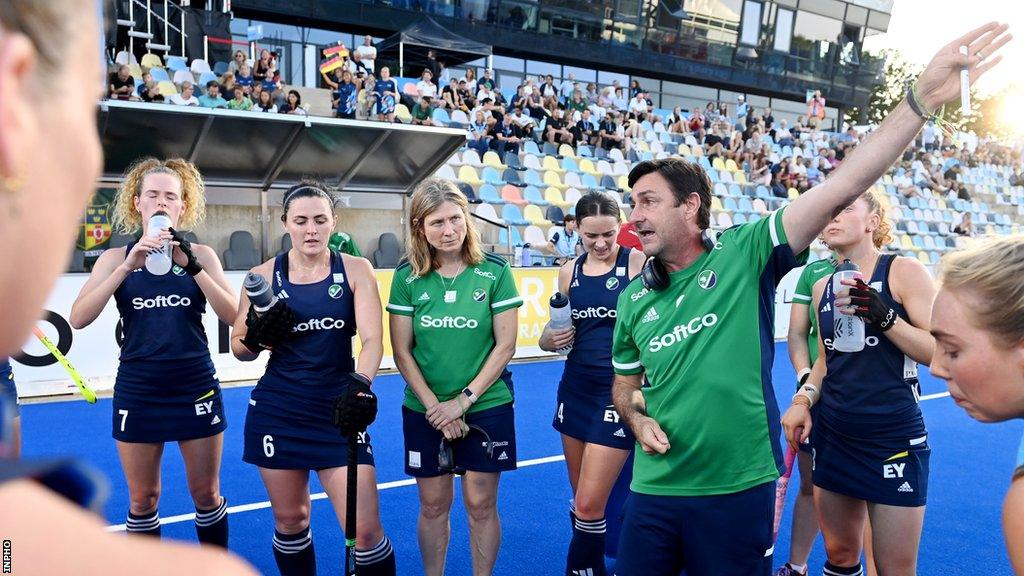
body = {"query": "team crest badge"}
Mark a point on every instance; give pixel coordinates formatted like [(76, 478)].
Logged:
[(707, 279), (334, 291), (611, 283), (178, 270), (479, 295), (95, 226)]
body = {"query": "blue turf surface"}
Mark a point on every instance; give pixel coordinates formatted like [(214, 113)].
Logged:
[(971, 465)]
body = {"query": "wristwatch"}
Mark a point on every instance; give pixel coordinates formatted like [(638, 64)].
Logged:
[(469, 394)]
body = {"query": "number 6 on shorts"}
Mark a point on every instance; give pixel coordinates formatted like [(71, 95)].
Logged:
[(268, 446)]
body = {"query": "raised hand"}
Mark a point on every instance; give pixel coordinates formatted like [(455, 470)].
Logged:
[(940, 81)]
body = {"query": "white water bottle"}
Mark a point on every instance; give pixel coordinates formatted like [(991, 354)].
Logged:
[(158, 262), (848, 329), (561, 316)]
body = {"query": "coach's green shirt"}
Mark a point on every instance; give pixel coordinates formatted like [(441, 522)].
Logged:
[(802, 295), (706, 345), (452, 326)]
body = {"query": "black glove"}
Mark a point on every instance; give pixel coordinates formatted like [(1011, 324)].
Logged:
[(356, 409), (193, 266), (270, 328), (869, 305)]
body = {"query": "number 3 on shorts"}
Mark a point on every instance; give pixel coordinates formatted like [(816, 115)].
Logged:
[(124, 417), (268, 446)]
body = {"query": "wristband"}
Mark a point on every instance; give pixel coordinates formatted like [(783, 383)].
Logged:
[(469, 394), (801, 400), (810, 392), (801, 378)]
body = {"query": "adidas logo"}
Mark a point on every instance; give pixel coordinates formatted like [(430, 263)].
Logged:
[(503, 456), (620, 433), (905, 488), (650, 316), (827, 308), (215, 421), (424, 297), (584, 572)]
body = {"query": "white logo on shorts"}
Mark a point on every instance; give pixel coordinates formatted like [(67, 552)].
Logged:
[(216, 420), (905, 487), (414, 460), (620, 433), (503, 456)]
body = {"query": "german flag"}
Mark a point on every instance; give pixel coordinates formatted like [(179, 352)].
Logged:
[(331, 64)]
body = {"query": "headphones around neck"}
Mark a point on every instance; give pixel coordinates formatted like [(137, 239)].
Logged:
[(655, 276), (446, 458)]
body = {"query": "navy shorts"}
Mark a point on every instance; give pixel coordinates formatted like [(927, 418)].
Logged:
[(9, 395), (885, 462), (423, 443), (176, 403), (584, 409), (292, 432), (729, 534)]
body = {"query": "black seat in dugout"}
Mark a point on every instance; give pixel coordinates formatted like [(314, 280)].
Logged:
[(241, 253), (286, 243), (388, 252)]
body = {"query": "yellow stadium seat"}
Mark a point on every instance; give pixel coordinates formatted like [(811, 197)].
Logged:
[(151, 61), (566, 151), (924, 258), (642, 146), (740, 177), (533, 214), (491, 158), (623, 183), (551, 163), (716, 204), (136, 71), (403, 114), (554, 195), (684, 150), (468, 175), (731, 166), (551, 178), (793, 194), (718, 164), (167, 88), (587, 165)]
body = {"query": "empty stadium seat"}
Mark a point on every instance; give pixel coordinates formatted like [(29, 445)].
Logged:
[(286, 243), (151, 60), (513, 195), (241, 253), (388, 252), (534, 236)]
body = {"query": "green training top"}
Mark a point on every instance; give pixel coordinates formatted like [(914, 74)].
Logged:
[(452, 326), (802, 295), (706, 345)]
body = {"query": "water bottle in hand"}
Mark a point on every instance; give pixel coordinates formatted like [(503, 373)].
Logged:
[(849, 329), (561, 316), (158, 262)]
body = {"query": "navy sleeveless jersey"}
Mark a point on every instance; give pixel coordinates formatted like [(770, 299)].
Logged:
[(877, 381), (162, 316), (593, 300), (5, 370), (320, 352)]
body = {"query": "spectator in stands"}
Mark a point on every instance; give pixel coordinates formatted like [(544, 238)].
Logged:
[(568, 88), (346, 97), (367, 98), (577, 105), (769, 119), (426, 86), (586, 130), (505, 136), (564, 241), (244, 77), (422, 111), (265, 103), (470, 78), (227, 83), (696, 124), (366, 55), (676, 122), (486, 81), (293, 104), (741, 111), (386, 96), (525, 122), (450, 97), (797, 129), (922, 172), (212, 98), (547, 89), (479, 129), (634, 88), (715, 150), (619, 101), (186, 97), (963, 194), (639, 107), (149, 90), (556, 131), (609, 135), (535, 105), (814, 175), (815, 110), (783, 137), (779, 189), (264, 66), (237, 61), (466, 95), (965, 227), (121, 84), (485, 93), (929, 140), (240, 101)]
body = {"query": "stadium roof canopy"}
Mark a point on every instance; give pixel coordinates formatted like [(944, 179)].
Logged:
[(410, 46), (236, 149)]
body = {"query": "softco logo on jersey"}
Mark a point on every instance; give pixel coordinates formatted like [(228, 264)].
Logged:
[(480, 272), (326, 323), (592, 312), (869, 341), (459, 322), (638, 295), (682, 331), (170, 301)]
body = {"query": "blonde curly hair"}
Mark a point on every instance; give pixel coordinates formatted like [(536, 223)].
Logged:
[(882, 235), (128, 220)]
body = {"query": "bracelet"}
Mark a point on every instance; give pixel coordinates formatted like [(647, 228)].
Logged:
[(915, 103), (801, 400)]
